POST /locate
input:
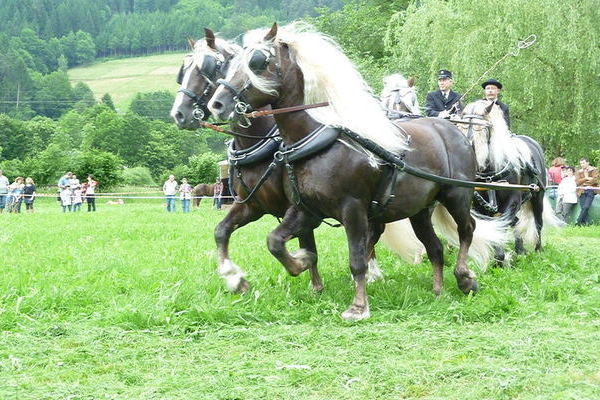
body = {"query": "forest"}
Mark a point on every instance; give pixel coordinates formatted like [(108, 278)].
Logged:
[(48, 125)]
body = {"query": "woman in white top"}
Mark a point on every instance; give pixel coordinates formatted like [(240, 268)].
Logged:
[(566, 193), (185, 194)]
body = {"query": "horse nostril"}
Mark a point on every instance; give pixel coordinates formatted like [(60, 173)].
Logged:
[(217, 105), (179, 118)]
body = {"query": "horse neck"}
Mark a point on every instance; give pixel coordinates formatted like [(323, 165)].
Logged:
[(259, 127)]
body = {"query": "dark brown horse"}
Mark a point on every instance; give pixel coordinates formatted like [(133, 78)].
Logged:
[(202, 190), (340, 181)]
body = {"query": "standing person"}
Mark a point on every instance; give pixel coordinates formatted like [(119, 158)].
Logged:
[(185, 194), (15, 195), (587, 177), (441, 103), (218, 191), (75, 186), (566, 194), (555, 174), (170, 189), (492, 89), (90, 192), (3, 191), (29, 194), (64, 185)]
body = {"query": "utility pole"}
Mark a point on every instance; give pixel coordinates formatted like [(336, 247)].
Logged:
[(18, 94)]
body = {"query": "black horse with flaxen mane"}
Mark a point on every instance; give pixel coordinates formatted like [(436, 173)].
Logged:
[(330, 175)]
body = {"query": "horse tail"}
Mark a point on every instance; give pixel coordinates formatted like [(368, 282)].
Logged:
[(525, 227), (400, 238), (489, 233), (549, 217)]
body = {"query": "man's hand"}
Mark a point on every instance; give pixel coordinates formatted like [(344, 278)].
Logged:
[(444, 114)]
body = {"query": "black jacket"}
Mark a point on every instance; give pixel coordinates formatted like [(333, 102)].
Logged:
[(504, 109), (436, 102)]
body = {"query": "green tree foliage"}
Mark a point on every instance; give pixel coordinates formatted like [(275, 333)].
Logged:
[(108, 101), (203, 168), (550, 87), (138, 176), (104, 166), (53, 95), (83, 96), (154, 105)]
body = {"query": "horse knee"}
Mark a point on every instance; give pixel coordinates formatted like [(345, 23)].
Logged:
[(275, 244)]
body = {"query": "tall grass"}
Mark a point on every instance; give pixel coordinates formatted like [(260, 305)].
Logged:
[(125, 303)]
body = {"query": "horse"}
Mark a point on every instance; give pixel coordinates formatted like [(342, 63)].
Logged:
[(270, 197), (338, 178), (202, 190), (399, 96), (517, 159)]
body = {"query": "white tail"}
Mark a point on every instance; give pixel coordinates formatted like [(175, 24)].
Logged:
[(549, 217), (488, 233), (525, 227), (400, 238)]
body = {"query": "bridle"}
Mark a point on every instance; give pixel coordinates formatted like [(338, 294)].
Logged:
[(211, 65), (259, 62)]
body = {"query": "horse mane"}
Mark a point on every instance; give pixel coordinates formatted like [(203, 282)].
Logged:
[(504, 147), (330, 76), (201, 48)]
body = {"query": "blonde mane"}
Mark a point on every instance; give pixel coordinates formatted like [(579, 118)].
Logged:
[(329, 76), (503, 146)]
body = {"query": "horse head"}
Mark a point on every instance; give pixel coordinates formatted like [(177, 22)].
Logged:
[(197, 76), (399, 94)]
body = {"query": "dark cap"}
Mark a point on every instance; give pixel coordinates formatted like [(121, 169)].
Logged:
[(491, 82), (444, 73)]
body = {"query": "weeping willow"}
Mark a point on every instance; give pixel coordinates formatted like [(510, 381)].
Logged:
[(552, 88)]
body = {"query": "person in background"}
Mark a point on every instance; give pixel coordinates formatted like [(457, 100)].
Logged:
[(89, 191), (75, 186), (29, 194), (170, 189), (218, 191), (441, 103), (15, 195), (64, 185), (3, 190), (587, 178), (555, 174), (185, 194), (566, 194)]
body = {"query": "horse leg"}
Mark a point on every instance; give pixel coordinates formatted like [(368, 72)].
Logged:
[(238, 216), (458, 205), (537, 205), (307, 241), (421, 223), (373, 271), (294, 223), (356, 225)]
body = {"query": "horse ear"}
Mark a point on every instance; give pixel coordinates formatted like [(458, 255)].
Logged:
[(209, 35), (272, 33), (411, 81), (191, 42)]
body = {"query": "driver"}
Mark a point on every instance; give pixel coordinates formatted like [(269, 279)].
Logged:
[(492, 89), (441, 103)]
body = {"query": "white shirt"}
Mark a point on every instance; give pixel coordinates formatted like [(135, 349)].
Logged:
[(3, 184), (567, 189), (170, 188)]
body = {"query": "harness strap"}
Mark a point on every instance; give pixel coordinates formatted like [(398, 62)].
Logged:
[(256, 114)]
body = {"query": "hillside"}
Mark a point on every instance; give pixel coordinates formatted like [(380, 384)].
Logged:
[(123, 78)]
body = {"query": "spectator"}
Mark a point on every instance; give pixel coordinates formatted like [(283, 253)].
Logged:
[(3, 191), (587, 179), (218, 191), (555, 173), (89, 191), (15, 195), (185, 191), (566, 194), (170, 189), (64, 185), (75, 187), (441, 103), (29, 194)]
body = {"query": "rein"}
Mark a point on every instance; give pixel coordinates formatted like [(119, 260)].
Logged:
[(205, 124), (256, 114)]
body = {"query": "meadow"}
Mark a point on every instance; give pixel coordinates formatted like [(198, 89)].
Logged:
[(124, 78), (125, 303)]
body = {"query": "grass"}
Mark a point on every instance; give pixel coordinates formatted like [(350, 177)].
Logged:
[(124, 78), (125, 304)]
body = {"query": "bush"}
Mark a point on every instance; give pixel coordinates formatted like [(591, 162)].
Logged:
[(203, 168), (138, 176), (104, 166)]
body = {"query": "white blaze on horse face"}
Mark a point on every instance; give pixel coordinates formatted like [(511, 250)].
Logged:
[(180, 95)]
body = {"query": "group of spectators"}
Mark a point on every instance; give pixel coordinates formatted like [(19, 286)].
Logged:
[(13, 195), (72, 193), (573, 185), (171, 188)]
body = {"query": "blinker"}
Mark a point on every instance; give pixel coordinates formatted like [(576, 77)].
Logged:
[(209, 66), (258, 62)]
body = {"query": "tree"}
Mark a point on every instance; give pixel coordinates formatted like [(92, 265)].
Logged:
[(155, 105), (107, 100)]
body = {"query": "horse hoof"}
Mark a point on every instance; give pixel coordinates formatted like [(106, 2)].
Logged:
[(355, 313), (243, 286), (305, 258), (237, 284), (317, 287)]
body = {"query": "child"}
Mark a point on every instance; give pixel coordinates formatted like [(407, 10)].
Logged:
[(185, 191), (566, 193), (75, 186), (15, 195), (29, 194)]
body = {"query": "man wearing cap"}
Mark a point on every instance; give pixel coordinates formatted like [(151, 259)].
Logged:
[(492, 89), (441, 103)]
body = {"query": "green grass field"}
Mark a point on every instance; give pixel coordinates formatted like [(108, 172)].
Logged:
[(123, 78), (125, 304)]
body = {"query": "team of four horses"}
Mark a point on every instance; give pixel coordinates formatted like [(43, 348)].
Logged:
[(379, 178)]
